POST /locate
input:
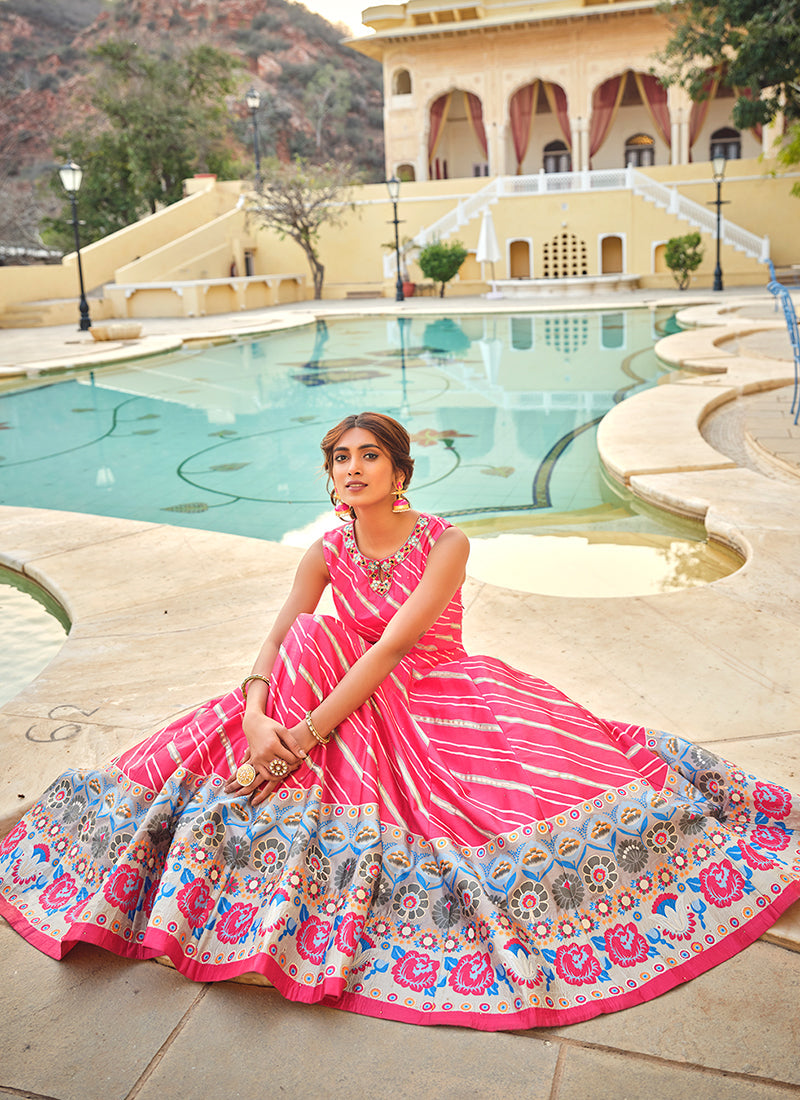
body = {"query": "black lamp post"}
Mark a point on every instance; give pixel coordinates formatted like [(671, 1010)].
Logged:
[(718, 168), (253, 101), (393, 187), (71, 176)]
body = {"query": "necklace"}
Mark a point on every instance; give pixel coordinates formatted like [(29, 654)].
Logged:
[(380, 572)]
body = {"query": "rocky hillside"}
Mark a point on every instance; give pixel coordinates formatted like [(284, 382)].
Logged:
[(320, 99)]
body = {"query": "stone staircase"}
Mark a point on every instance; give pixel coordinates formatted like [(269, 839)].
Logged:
[(616, 179)]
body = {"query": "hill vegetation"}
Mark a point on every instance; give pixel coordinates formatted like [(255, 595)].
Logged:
[(319, 99)]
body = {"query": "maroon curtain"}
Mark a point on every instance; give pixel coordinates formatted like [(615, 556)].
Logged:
[(699, 111), (605, 102), (654, 97), (439, 109), (557, 100), (475, 115), (521, 111)]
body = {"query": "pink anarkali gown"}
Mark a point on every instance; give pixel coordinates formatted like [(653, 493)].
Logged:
[(471, 848)]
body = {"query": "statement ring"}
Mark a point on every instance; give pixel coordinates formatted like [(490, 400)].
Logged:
[(278, 767), (245, 774)]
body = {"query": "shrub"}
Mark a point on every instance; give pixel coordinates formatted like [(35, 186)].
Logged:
[(683, 255), (440, 262)]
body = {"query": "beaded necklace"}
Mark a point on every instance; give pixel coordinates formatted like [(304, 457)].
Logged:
[(380, 572)]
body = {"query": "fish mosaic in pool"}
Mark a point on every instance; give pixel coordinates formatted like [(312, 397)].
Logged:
[(502, 411)]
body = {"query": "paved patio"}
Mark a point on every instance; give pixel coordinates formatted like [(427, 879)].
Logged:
[(165, 616)]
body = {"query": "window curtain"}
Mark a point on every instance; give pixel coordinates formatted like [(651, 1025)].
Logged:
[(557, 101), (472, 105), (605, 104), (699, 111), (654, 97), (521, 111), (439, 110)]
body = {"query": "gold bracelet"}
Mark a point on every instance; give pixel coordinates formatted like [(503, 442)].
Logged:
[(315, 732), (248, 679)]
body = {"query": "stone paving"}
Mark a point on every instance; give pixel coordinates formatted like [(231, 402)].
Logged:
[(164, 617)]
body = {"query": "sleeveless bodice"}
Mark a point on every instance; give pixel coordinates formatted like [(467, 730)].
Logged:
[(368, 593)]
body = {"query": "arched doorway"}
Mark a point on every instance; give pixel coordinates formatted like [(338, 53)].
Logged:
[(640, 151), (630, 105), (557, 157), (519, 259), (726, 142), (611, 255), (457, 143), (537, 117)]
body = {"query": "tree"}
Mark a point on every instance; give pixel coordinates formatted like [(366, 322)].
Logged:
[(168, 109), (327, 99), (683, 255), (440, 262), (295, 200), (751, 46), (162, 117)]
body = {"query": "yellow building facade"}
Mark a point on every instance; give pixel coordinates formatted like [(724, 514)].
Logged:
[(506, 88), (544, 115)]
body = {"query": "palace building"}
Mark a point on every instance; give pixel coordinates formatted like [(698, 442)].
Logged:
[(513, 88)]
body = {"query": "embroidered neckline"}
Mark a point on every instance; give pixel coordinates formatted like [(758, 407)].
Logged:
[(380, 572)]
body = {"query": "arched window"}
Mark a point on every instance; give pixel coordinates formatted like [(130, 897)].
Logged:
[(727, 143), (640, 151), (401, 82), (406, 173), (557, 157)]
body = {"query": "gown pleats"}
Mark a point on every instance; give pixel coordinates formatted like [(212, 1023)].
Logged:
[(471, 848)]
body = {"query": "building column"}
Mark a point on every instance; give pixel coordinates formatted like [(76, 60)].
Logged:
[(679, 106)]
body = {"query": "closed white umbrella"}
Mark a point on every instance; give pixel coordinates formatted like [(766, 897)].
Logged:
[(488, 250)]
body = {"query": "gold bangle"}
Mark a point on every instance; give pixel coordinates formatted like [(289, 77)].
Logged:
[(248, 679), (315, 732)]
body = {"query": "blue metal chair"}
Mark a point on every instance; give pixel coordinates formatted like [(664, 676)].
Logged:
[(784, 297)]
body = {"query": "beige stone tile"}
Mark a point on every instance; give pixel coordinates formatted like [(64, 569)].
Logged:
[(776, 759), (786, 931), (37, 749), (321, 1052), (28, 533), (740, 1017), (86, 1028), (151, 565), (658, 431), (587, 1074)]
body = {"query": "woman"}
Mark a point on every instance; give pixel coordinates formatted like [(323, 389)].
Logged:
[(407, 832)]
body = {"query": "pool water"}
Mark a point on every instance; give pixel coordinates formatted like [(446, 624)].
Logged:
[(34, 629), (502, 411)]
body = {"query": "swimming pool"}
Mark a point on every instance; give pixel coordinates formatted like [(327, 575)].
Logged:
[(502, 410), (34, 629)]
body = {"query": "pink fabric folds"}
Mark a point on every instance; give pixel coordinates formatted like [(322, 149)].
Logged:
[(654, 97), (521, 110), (605, 104), (474, 110), (438, 117)]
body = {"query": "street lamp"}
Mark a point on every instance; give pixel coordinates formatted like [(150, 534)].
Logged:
[(71, 177), (393, 187), (718, 170), (253, 101)]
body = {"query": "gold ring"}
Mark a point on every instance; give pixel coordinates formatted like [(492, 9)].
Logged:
[(245, 774), (278, 767)]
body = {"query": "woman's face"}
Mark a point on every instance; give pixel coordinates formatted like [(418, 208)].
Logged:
[(362, 470)]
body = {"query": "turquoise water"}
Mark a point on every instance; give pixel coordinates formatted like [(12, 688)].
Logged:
[(502, 411)]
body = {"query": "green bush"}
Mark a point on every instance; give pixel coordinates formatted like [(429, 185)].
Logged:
[(440, 262), (683, 255)]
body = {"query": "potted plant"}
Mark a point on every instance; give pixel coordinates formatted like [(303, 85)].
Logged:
[(407, 250)]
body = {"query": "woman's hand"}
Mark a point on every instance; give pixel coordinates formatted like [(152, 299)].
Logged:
[(267, 741)]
